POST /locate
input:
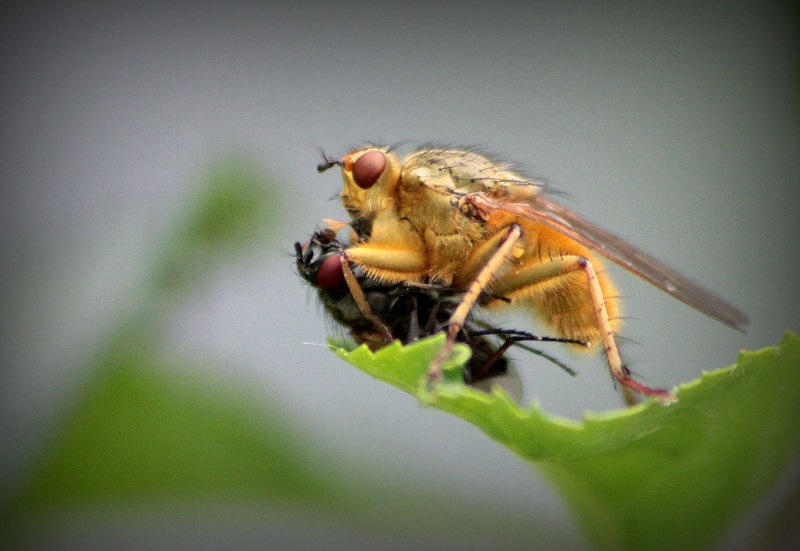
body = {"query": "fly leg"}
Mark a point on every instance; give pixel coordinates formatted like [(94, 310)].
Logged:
[(541, 272), (476, 288), (361, 300)]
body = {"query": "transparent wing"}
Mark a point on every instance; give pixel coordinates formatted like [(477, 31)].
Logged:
[(622, 253)]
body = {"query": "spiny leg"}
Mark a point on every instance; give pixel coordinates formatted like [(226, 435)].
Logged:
[(478, 285), (617, 367), (557, 267), (361, 300)]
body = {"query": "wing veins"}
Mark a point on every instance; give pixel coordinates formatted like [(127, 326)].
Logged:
[(629, 257)]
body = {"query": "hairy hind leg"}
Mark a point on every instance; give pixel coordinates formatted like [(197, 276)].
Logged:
[(519, 280)]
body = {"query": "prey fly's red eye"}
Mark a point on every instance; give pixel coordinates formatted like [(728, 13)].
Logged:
[(330, 275)]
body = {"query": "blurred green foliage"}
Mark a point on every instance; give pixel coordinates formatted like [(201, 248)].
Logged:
[(141, 432), (232, 212)]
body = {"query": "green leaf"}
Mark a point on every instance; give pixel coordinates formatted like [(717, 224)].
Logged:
[(648, 477)]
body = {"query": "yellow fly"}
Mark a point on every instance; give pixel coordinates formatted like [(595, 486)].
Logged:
[(461, 219)]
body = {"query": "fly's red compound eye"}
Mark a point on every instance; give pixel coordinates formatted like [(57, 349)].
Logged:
[(330, 275), (368, 168)]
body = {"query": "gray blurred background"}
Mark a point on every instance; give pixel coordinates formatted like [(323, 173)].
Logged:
[(673, 125)]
